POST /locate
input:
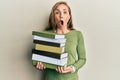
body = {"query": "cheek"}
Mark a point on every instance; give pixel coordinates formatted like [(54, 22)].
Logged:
[(67, 18), (56, 18)]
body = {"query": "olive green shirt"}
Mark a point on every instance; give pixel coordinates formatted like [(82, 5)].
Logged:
[(76, 57)]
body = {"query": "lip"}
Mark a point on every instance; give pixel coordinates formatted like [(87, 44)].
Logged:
[(60, 22)]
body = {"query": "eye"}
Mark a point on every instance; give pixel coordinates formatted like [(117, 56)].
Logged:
[(56, 12), (65, 12)]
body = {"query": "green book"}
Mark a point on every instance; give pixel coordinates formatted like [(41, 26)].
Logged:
[(47, 65), (48, 34)]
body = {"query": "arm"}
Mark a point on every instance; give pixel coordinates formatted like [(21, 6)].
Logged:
[(80, 52), (81, 56)]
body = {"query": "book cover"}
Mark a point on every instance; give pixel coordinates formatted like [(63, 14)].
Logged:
[(49, 43), (61, 40), (47, 48), (48, 34), (50, 54), (60, 62), (47, 65)]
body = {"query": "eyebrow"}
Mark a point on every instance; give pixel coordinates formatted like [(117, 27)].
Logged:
[(59, 10)]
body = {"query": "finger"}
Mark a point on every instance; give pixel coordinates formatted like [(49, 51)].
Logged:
[(64, 70), (37, 66), (59, 69), (44, 67), (41, 66)]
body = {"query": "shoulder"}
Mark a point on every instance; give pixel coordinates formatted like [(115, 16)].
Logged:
[(78, 32), (74, 33)]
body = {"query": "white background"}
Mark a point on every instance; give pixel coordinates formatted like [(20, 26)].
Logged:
[(99, 21)]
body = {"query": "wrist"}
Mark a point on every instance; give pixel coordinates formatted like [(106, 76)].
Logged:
[(73, 69)]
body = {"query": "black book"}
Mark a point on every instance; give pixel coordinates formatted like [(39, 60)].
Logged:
[(50, 54), (49, 43)]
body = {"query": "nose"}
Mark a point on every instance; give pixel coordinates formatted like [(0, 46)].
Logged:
[(61, 15)]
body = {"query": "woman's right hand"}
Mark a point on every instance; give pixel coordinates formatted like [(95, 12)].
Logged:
[(40, 66)]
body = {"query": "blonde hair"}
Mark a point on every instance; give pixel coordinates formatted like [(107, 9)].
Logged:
[(51, 22)]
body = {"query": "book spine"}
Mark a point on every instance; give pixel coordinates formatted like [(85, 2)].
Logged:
[(54, 61), (62, 40), (46, 65), (43, 34), (49, 43), (49, 48), (49, 54)]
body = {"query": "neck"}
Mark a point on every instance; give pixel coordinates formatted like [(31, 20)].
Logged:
[(62, 31)]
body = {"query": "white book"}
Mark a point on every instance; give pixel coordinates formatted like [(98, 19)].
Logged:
[(60, 62), (61, 40)]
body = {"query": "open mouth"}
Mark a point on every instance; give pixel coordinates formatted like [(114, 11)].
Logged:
[(61, 22)]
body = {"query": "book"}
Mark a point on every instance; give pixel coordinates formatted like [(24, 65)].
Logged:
[(47, 48), (61, 40), (48, 34), (60, 62), (49, 43), (47, 65), (50, 54)]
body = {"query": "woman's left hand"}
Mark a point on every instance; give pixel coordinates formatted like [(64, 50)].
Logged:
[(64, 70)]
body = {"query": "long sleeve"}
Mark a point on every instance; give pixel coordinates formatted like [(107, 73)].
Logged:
[(81, 53), (74, 45)]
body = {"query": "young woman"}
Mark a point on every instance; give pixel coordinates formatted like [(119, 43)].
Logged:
[(60, 22)]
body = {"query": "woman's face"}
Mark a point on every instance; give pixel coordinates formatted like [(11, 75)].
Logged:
[(62, 16)]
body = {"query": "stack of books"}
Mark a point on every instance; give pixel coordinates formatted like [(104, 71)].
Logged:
[(49, 49)]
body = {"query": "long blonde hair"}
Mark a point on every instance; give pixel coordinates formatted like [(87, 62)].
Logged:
[(51, 22)]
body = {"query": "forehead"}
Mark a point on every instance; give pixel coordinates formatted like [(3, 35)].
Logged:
[(62, 7)]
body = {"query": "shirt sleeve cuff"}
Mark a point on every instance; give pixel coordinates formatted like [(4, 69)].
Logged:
[(73, 69)]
